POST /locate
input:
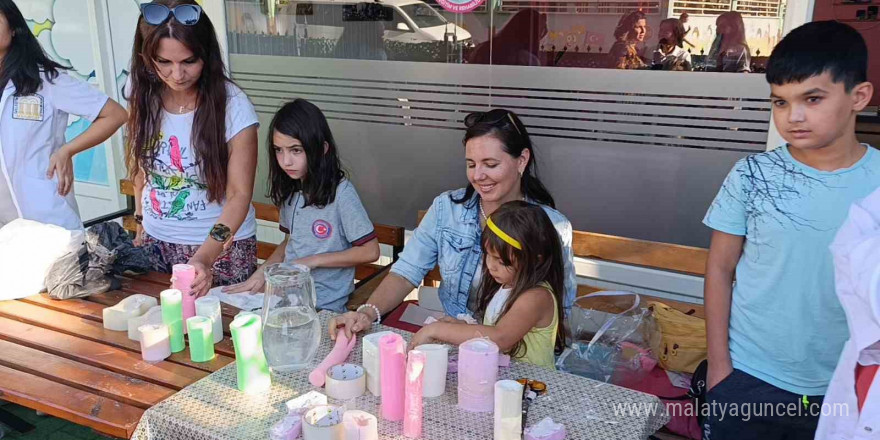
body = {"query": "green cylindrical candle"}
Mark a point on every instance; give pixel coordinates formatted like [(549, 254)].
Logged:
[(250, 361), (201, 338), (172, 316)]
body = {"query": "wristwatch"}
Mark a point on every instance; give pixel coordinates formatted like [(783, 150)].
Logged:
[(139, 219), (220, 232)]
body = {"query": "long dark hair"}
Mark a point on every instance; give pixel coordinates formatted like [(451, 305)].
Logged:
[(302, 120), (626, 25), (26, 60), (515, 138), (145, 102), (678, 31), (539, 261), (737, 35)]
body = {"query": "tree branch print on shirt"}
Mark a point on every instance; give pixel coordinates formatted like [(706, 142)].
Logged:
[(769, 186)]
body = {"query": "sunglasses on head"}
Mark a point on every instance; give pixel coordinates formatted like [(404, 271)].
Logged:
[(491, 117), (156, 14)]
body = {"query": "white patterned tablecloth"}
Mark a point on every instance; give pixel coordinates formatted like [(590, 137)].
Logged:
[(213, 408)]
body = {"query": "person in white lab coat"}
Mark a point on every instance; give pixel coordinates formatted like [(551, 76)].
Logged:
[(851, 409), (36, 169)]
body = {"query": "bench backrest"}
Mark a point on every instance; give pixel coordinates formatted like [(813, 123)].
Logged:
[(629, 251)]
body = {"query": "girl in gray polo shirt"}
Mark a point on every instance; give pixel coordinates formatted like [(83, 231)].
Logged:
[(327, 227)]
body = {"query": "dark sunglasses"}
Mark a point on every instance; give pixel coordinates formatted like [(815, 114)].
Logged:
[(491, 117), (186, 15)]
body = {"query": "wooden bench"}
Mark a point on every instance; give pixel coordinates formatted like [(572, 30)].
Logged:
[(58, 358), (367, 274), (629, 251)]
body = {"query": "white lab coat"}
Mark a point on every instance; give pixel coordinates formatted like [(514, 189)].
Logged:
[(31, 129), (856, 251)]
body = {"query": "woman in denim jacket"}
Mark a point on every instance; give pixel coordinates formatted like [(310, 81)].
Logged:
[(500, 167)]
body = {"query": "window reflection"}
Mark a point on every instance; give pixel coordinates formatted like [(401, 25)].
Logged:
[(677, 35), (518, 43)]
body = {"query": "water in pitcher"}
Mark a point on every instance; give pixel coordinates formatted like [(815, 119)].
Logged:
[(291, 337), (291, 328)]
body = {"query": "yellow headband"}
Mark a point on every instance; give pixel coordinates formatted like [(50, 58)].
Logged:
[(502, 235)]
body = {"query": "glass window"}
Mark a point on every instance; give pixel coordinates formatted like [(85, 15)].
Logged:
[(423, 15)]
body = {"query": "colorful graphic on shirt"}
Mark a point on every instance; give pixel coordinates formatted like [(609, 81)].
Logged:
[(322, 229), (173, 179)]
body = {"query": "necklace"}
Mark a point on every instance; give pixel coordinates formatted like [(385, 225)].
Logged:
[(182, 108)]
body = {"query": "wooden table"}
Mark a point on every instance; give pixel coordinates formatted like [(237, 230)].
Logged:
[(56, 357)]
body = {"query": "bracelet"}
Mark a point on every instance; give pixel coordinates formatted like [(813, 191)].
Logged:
[(375, 309), (139, 219)]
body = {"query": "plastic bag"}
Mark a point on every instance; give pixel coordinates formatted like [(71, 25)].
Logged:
[(610, 343), (108, 250), (27, 251), (112, 236)]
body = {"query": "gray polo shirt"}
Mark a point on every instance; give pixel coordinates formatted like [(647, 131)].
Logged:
[(336, 227)]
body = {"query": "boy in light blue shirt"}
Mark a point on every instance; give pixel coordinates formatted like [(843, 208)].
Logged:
[(775, 334)]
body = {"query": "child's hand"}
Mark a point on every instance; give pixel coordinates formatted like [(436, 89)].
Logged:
[(423, 336), (254, 284)]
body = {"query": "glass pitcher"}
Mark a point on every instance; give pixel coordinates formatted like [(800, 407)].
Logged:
[(291, 328)]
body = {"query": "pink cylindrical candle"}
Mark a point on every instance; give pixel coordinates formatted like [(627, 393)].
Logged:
[(412, 412), (182, 276), (477, 374), (155, 343), (392, 366)]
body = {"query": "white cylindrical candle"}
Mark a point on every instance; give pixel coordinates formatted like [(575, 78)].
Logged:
[(209, 307), (508, 410), (360, 425), (436, 365), (116, 317), (153, 316), (155, 343), (370, 352)]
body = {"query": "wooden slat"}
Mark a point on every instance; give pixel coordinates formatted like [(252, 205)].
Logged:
[(128, 223), (265, 249), (390, 235), (126, 187), (82, 376), (100, 413), (364, 271), (663, 256), (76, 307), (94, 331), (167, 374), (267, 212), (362, 293)]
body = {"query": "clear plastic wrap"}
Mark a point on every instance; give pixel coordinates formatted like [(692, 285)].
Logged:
[(611, 337)]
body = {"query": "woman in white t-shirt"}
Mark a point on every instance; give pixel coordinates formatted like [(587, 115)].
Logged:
[(192, 148)]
